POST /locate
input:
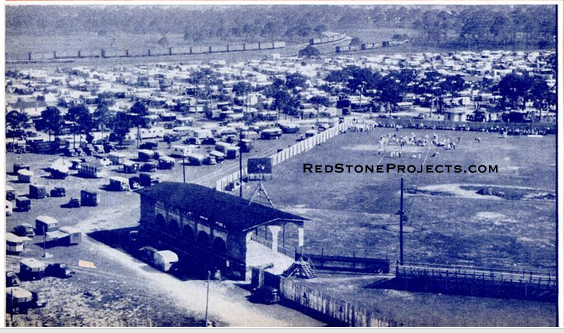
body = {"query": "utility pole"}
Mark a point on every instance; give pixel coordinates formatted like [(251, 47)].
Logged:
[(207, 300), (401, 222), (241, 162), (44, 241), (183, 168)]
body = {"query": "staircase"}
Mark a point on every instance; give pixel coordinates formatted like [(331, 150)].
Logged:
[(301, 269)]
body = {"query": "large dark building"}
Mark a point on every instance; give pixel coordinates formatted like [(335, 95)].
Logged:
[(212, 229)]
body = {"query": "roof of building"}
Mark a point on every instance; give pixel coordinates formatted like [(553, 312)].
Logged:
[(232, 211)]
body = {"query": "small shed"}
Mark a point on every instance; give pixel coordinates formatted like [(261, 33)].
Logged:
[(89, 198), (37, 191), (44, 223)]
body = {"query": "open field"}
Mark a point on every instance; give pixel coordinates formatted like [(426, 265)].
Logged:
[(448, 222)]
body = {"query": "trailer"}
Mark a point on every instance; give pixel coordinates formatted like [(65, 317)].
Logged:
[(89, 198), (37, 191), (196, 159), (24, 175), (130, 167), (32, 269), (66, 236), (165, 260), (14, 243), (145, 155), (232, 152), (18, 300), (271, 133), (44, 223), (118, 184), (180, 151), (23, 205)]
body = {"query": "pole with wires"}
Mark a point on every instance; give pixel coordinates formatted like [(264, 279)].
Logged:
[(401, 222)]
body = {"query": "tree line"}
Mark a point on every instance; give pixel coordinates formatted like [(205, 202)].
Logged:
[(437, 25)]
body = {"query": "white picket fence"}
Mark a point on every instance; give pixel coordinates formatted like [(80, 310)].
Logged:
[(289, 152)]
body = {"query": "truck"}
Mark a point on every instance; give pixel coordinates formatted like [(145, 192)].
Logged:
[(59, 270)]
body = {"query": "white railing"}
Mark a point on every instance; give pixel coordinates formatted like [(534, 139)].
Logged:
[(289, 152)]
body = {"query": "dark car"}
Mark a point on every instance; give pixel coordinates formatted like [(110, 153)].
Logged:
[(24, 230), (149, 145), (265, 295), (148, 167), (59, 270), (58, 192), (73, 203), (12, 279)]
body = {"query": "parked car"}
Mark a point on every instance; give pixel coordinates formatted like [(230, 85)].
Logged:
[(265, 295), (24, 230), (73, 203), (149, 145), (12, 279), (147, 253), (59, 270), (58, 192)]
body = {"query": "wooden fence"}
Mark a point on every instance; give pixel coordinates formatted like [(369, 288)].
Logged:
[(224, 183)]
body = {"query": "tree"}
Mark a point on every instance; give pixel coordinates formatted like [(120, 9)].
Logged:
[(82, 121), (391, 93), (453, 84), (17, 122), (242, 88), (295, 80), (318, 101), (102, 117), (309, 52), (53, 120), (121, 125), (355, 41), (514, 89), (138, 113)]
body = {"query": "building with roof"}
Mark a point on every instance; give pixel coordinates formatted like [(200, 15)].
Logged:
[(217, 230)]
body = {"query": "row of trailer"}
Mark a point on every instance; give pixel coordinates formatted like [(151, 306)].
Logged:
[(155, 52)]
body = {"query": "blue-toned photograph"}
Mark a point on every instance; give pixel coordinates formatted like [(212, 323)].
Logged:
[(282, 165)]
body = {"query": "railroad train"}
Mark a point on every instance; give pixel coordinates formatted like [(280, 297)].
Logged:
[(171, 51), (325, 40)]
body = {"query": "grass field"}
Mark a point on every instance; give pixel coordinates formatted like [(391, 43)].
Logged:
[(448, 222)]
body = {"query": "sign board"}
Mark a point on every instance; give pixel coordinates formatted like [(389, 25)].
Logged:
[(259, 168)]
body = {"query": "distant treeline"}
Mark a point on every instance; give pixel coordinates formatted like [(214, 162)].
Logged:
[(437, 25)]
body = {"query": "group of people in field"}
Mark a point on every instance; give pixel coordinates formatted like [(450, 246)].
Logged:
[(394, 139)]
